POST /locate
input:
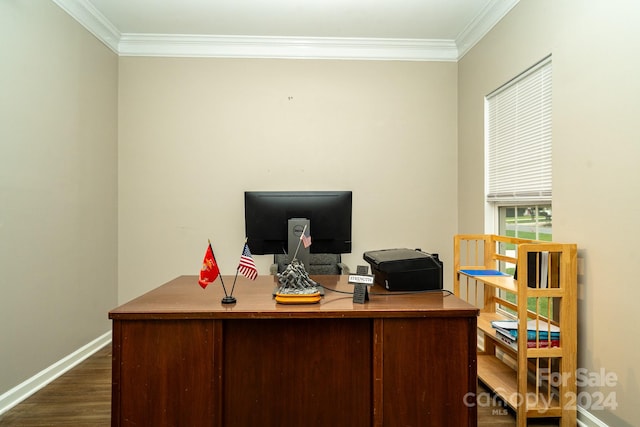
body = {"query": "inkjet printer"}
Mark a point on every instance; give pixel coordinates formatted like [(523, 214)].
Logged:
[(405, 269)]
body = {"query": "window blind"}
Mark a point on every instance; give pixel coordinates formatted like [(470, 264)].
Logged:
[(519, 137)]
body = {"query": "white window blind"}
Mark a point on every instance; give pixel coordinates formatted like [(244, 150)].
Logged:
[(519, 137)]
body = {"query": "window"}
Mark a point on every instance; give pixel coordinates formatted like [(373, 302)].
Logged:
[(526, 221), (518, 154), (518, 158)]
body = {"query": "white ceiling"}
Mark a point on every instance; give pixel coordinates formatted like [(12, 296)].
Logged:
[(354, 29)]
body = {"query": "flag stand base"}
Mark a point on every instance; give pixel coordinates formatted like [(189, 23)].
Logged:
[(229, 299)]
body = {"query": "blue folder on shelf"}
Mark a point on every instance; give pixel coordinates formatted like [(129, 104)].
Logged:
[(542, 327), (483, 273)]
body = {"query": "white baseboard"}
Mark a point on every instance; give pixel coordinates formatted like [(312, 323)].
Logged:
[(20, 392), (587, 419)]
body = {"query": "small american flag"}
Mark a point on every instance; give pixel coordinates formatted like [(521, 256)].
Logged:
[(247, 266), (306, 238)]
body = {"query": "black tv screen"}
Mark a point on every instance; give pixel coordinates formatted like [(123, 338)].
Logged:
[(267, 214)]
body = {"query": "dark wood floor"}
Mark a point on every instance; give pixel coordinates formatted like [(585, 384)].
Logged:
[(82, 397)]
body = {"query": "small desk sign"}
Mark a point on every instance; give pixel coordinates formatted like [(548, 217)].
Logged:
[(360, 278), (360, 282)]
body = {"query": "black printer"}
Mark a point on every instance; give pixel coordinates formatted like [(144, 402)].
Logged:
[(405, 269)]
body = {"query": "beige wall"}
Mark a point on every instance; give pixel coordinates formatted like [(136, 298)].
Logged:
[(58, 205), (194, 134), (596, 101)]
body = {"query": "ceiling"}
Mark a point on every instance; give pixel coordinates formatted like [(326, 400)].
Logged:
[(344, 29)]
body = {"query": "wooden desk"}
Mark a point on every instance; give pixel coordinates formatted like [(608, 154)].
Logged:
[(181, 358)]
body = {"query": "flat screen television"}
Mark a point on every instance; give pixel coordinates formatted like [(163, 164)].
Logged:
[(267, 214)]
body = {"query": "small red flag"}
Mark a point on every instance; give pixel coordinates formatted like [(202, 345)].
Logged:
[(210, 270)]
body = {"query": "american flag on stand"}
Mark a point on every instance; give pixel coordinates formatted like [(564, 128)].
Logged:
[(247, 266), (305, 237)]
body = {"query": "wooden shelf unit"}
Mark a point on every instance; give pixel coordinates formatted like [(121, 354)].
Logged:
[(535, 379)]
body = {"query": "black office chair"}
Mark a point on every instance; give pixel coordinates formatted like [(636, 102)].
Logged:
[(320, 264)]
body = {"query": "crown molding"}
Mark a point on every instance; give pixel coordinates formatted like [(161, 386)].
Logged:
[(286, 47), (91, 19), (492, 13), (130, 44)]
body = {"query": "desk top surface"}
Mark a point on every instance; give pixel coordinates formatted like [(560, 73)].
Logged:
[(183, 298)]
